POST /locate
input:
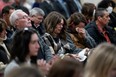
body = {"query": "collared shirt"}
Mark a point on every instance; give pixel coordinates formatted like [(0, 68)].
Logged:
[(104, 34)]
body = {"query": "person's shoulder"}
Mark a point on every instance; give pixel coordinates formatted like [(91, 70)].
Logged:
[(12, 65), (90, 25)]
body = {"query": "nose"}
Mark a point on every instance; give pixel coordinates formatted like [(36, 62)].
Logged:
[(38, 45), (61, 26), (108, 18), (5, 32), (29, 18)]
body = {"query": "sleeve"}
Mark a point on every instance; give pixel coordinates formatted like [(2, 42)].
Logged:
[(45, 50), (73, 48), (89, 41)]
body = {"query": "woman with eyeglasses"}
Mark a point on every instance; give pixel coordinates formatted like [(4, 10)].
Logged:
[(56, 36), (24, 46)]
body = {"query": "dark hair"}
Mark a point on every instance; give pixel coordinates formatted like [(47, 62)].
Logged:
[(20, 44), (66, 67), (106, 3), (6, 9), (76, 18), (88, 10), (99, 12), (52, 20), (3, 25)]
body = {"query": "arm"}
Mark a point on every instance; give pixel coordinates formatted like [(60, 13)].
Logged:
[(45, 50), (73, 48), (90, 42)]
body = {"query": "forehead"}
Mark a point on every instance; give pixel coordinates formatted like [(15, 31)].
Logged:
[(34, 36), (62, 21), (11, 11), (21, 13), (106, 13)]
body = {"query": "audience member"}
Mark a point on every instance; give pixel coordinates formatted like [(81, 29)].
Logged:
[(47, 6), (17, 5), (25, 71), (79, 35), (102, 62), (66, 67), (22, 49), (73, 6), (99, 30), (4, 50), (88, 10), (37, 16), (37, 3), (4, 3), (20, 20), (6, 12), (56, 37), (61, 7), (109, 5), (24, 3)]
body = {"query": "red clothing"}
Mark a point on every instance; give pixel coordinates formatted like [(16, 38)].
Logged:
[(104, 33), (2, 4)]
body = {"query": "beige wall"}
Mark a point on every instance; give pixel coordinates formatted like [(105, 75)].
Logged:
[(115, 7), (91, 1)]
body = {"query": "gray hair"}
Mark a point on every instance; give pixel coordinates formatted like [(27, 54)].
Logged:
[(37, 11), (13, 17)]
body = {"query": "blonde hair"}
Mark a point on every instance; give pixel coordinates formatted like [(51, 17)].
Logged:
[(101, 61)]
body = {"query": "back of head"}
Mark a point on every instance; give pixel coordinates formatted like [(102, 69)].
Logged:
[(102, 61), (66, 67), (6, 9), (88, 10), (25, 71)]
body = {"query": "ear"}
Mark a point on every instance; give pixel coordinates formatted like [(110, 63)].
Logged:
[(16, 23), (99, 18), (4, 15)]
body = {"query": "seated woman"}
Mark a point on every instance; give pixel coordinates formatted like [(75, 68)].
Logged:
[(25, 45), (56, 36), (79, 35), (4, 52)]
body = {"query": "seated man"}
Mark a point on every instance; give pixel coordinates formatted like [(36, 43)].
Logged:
[(99, 30), (79, 35), (20, 20)]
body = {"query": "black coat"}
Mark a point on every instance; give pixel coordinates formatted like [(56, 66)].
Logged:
[(98, 36), (3, 56)]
